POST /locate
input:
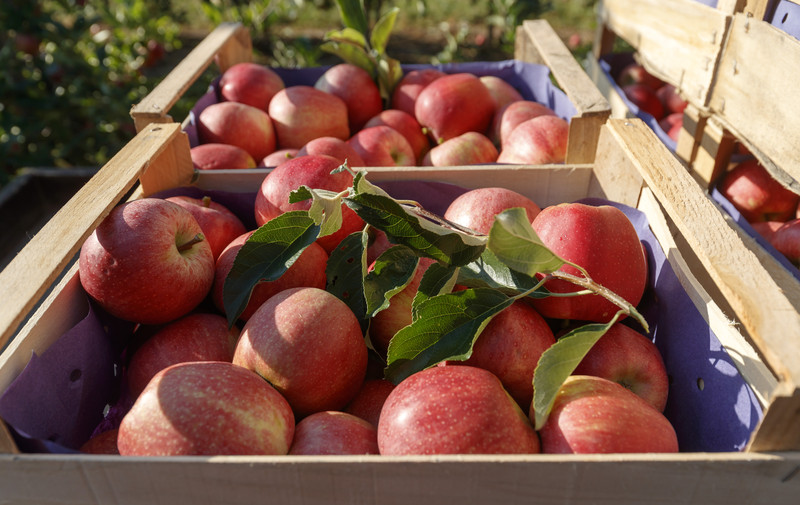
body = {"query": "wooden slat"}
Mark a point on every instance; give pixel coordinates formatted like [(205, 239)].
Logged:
[(228, 44), (537, 42), (31, 273), (755, 98)]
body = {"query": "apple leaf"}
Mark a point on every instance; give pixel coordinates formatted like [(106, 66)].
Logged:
[(345, 270), (353, 14), (558, 362), (446, 327), (392, 272), (383, 30), (390, 72), (325, 210), (515, 243), (419, 233), (438, 279), (265, 256), (351, 54), (488, 271), (347, 36)]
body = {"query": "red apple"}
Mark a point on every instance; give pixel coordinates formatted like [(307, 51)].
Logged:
[(308, 344), (756, 194), (378, 243), (406, 124), (592, 415), (604, 242), (509, 117), (102, 443), (510, 347), (147, 262), (470, 148), (454, 104), (397, 315), (382, 146), (627, 357), (237, 124), (308, 270), (670, 120), (302, 113), (635, 73), (787, 240), (332, 146), (645, 99), (331, 432), (675, 131), (369, 400), (671, 99), (218, 224), (313, 171), (502, 92), (476, 208), (216, 156), (276, 158), (250, 83), (405, 93), (767, 229), (207, 408), (540, 140), (453, 410), (356, 88), (195, 337)]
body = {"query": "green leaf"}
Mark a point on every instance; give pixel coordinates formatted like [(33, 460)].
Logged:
[(325, 210), (390, 72), (392, 272), (347, 265), (438, 279), (353, 14), (407, 228), (515, 243), (265, 256), (488, 271), (348, 35), (383, 30), (445, 329), (558, 362), (351, 54)]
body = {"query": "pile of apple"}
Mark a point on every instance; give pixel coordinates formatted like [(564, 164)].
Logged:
[(433, 119), (770, 208), (294, 370), (652, 95)]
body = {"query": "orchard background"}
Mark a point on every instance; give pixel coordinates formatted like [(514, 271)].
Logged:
[(72, 69)]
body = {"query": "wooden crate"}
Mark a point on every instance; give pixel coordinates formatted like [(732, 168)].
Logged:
[(631, 167), (536, 42)]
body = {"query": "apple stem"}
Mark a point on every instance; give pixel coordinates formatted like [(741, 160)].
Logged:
[(206, 201), (191, 242)]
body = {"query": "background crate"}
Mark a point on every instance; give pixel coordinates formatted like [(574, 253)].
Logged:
[(536, 42), (631, 167)]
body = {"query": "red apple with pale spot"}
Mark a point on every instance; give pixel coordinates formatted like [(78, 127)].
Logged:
[(476, 208), (334, 433), (407, 125), (470, 148), (335, 147), (238, 124), (405, 93), (216, 156), (302, 113), (502, 92), (356, 88), (509, 117), (537, 141), (454, 104), (250, 83), (382, 146)]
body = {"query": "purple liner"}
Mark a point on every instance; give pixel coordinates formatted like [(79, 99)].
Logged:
[(787, 17), (51, 413)]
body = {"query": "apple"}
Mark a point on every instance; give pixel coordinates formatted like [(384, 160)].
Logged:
[(308, 344), (313, 171), (250, 83), (756, 194), (277, 157), (102, 443), (477, 208), (635, 73), (356, 88), (405, 93), (501, 91), (308, 270), (147, 262), (627, 357), (592, 415), (509, 117), (397, 315), (787, 240), (454, 104), (470, 148), (237, 124), (207, 408), (382, 146), (510, 347), (645, 99), (669, 122), (377, 244), (675, 131), (603, 241), (335, 147), (301, 113), (453, 410), (194, 337), (369, 400), (671, 99), (406, 124), (332, 432), (217, 156), (218, 224), (536, 141), (767, 229)]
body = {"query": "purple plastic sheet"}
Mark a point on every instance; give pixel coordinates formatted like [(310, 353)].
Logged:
[(531, 80), (710, 3), (49, 412), (786, 16)]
